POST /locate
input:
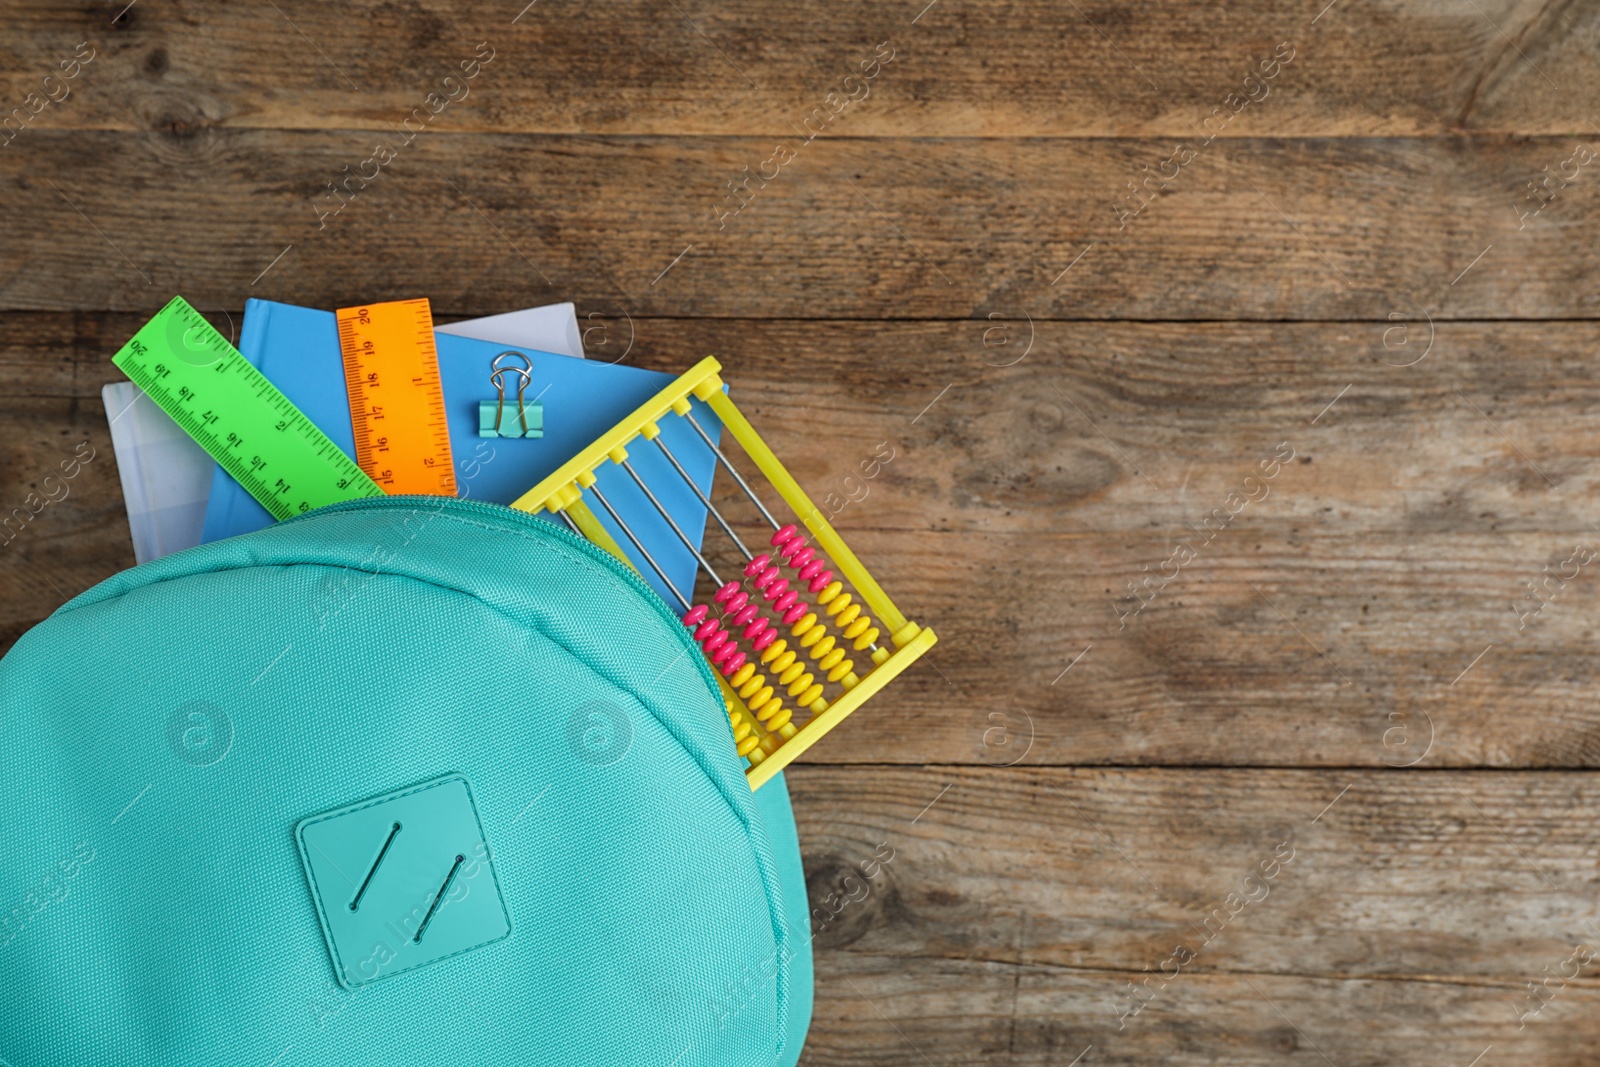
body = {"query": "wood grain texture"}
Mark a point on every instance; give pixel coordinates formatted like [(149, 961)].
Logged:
[(1021, 500), (1021, 68), (1371, 917), (1250, 229)]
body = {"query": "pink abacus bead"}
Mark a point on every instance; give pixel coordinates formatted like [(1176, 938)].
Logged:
[(736, 603), (757, 565), (723, 654), (765, 578), (735, 661), (796, 613), (821, 581), (696, 615), (728, 590), (744, 615), (795, 545), (706, 629), (812, 569), (776, 589), (785, 535), (717, 640), (763, 639), (786, 601)]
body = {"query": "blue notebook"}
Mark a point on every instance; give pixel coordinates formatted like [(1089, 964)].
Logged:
[(298, 350)]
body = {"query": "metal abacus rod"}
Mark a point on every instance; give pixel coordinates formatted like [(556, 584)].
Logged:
[(749, 492), (665, 514), (701, 494), (643, 551)]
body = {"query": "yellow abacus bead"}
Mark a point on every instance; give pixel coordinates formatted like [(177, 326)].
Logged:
[(812, 636), (742, 676), (799, 685), (857, 628), (811, 696), (748, 701), (768, 710), (827, 662), (844, 668), (833, 590), (774, 650), (794, 671), (866, 639), (780, 720), (848, 615), (761, 697), (744, 739), (752, 685), (782, 663), (823, 647)]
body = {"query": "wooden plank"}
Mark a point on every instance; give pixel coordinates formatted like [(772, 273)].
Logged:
[(914, 229), (62, 524), (1391, 552), (1023, 68), (1402, 918)]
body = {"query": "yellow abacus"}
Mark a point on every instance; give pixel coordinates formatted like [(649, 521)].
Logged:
[(814, 659)]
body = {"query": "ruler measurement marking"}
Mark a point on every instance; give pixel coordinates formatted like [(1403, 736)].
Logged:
[(389, 355), (252, 430)]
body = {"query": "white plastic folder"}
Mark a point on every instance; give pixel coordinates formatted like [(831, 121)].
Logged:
[(553, 328), (166, 477)]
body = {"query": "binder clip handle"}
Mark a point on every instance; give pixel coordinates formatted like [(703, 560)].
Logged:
[(498, 377)]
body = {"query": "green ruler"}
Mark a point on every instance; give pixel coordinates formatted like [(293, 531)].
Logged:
[(236, 415)]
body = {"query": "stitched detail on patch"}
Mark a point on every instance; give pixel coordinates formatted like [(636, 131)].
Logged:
[(402, 880)]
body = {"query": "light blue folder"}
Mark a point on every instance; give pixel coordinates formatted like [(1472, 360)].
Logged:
[(298, 350)]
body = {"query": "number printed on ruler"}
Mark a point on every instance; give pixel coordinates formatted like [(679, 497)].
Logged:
[(252, 430), (397, 409)]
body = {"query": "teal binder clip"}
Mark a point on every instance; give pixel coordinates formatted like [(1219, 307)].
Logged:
[(494, 420)]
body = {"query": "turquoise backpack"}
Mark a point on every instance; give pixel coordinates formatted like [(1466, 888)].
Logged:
[(400, 781)]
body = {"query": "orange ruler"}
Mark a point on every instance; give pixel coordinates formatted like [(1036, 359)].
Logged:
[(396, 401)]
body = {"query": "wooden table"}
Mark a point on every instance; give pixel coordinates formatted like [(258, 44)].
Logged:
[(1232, 415)]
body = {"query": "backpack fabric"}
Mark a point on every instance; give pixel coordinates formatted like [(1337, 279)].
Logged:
[(209, 758)]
